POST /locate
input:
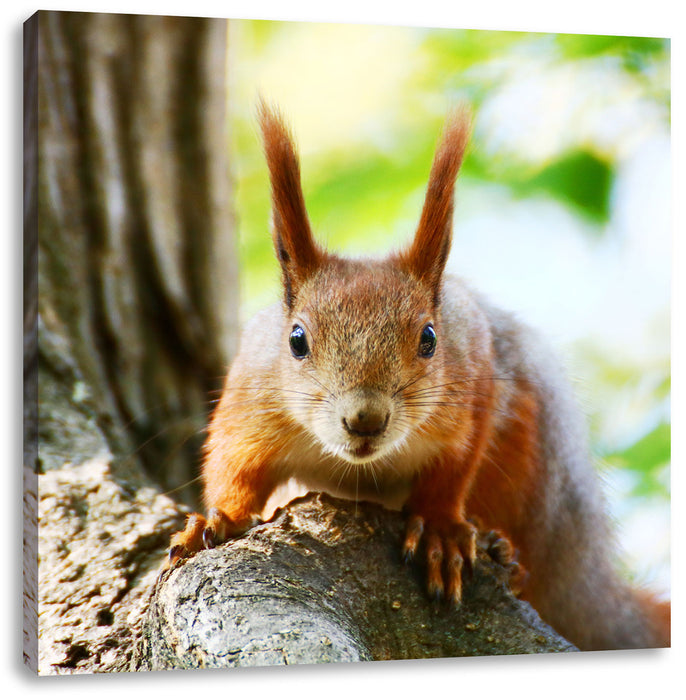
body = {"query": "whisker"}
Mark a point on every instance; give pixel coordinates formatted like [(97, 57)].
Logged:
[(452, 404), (372, 471), (420, 375), (480, 378), (182, 486), (427, 395), (320, 384)]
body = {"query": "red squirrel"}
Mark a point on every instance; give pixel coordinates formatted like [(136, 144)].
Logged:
[(390, 381)]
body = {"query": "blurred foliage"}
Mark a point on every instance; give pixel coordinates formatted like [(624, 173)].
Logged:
[(631, 427), (649, 457), (580, 179), (636, 53), (364, 190)]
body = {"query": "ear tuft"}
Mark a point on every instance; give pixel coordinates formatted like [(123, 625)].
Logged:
[(293, 241), (427, 255)]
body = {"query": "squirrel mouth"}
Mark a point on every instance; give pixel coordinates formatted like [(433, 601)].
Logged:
[(364, 450)]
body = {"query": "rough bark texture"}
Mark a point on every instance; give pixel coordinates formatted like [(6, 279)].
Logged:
[(129, 309), (101, 540), (137, 270), (324, 582), (30, 349)]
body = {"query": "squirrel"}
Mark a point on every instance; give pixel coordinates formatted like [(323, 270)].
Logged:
[(390, 381)]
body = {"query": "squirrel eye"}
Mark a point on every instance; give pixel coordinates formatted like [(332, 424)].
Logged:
[(427, 341), (298, 342)]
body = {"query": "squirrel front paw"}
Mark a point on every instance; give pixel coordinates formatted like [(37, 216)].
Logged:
[(498, 546), (450, 550), (501, 550), (201, 533)]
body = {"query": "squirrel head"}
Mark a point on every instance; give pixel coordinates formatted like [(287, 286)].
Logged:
[(363, 337)]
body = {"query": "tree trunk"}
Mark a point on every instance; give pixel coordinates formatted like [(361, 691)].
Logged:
[(130, 307), (137, 258)]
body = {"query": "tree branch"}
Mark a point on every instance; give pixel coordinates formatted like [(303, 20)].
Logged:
[(324, 582)]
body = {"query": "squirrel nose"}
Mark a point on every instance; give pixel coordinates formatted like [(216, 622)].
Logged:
[(366, 423)]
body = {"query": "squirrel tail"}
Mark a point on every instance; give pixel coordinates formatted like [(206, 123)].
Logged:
[(658, 613), (607, 613)]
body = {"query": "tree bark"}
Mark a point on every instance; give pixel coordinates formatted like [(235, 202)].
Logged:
[(324, 582), (137, 262), (130, 307)]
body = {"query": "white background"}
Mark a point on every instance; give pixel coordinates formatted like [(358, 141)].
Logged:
[(609, 674)]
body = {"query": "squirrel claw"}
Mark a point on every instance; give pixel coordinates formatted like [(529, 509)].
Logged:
[(501, 551), (499, 548), (201, 533), (450, 554), (177, 552), (413, 534), (436, 595), (208, 539)]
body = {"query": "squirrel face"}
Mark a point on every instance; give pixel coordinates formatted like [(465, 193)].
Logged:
[(361, 337)]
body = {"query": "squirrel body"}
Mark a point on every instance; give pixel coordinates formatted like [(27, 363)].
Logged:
[(388, 380)]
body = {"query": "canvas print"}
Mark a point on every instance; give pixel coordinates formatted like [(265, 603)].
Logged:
[(342, 343)]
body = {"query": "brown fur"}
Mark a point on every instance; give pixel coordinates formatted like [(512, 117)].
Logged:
[(296, 249), (429, 251), (481, 427)]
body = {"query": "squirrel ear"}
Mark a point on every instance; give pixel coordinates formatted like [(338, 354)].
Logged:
[(293, 241), (427, 255)]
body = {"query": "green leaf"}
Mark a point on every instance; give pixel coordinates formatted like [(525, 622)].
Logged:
[(647, 458), (635, 52), (580, 179), (651, 451)]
